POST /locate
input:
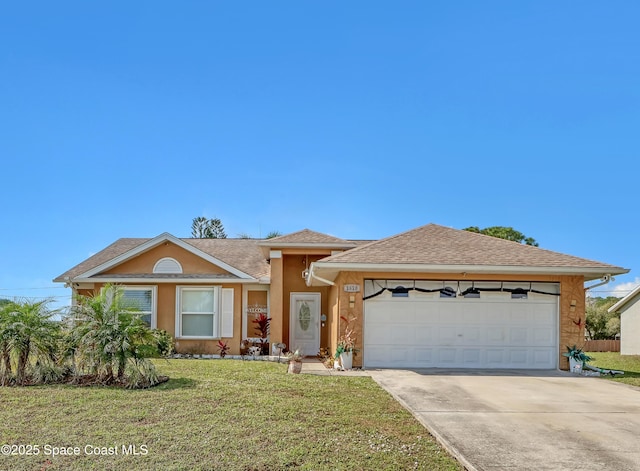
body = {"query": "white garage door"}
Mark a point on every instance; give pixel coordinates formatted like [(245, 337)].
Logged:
[(425, 330)]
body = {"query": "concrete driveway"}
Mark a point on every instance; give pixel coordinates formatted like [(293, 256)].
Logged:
[(519, 420)]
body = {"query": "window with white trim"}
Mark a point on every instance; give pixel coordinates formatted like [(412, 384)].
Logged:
[(141, 300), (167, 265), (197, 309), (204, 312)]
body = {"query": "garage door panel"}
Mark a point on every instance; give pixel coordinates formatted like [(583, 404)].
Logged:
[(447, 335), (424, 335), (402, 334), (495, 335), (446, 356), (489, 332), (496, 317), (424, 356), (495, 357), (377, 355), (543, 316), (406, 316), (377, 334), (518, 357), (472, 357), (543, 336), (518, 336), (517, 316), (446, 311), (542, 357), (471, 335), (400, 355)]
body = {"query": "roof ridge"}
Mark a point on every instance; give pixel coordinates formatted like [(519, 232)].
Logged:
[(369, 244)]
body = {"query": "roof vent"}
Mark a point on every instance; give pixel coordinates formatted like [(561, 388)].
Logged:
[(167, 265)]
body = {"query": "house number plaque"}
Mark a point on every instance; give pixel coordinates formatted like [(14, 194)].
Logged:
[(353, 288)]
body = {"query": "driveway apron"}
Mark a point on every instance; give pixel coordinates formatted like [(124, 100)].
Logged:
[(523, 420)]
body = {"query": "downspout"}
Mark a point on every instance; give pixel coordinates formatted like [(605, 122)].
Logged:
[(605, 279), (312, 275)]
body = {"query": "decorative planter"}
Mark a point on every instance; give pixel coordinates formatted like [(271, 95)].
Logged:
[(346, 358), (575, 366), (295, 367)]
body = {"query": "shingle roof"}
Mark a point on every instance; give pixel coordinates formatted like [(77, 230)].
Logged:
[(243, 254), (110, 252), (437, 245), (430, 245), (307, 236)]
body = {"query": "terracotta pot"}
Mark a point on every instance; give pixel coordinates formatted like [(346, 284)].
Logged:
[(295, 367)]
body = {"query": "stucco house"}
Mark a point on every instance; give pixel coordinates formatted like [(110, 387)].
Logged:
[(430, 297), (629, 310)]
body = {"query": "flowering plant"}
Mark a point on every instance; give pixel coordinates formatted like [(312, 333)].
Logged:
[(347, 341), (295, 355)]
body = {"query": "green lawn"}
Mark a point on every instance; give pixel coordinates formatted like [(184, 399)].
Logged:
[(630, 364), (219, 414)]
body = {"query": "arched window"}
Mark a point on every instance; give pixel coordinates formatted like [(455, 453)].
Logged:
[(167, 265)]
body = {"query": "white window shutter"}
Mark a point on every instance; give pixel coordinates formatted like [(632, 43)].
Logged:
[(226, 313)]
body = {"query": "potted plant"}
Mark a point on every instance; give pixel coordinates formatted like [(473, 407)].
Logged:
[(346, 345), (263, 323), (295, 361), (577, 358)]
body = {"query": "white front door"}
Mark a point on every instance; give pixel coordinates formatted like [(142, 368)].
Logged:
[(304, 323)]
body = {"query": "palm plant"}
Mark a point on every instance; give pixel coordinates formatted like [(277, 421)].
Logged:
[(5, 348), (27, 332), (108, 337)]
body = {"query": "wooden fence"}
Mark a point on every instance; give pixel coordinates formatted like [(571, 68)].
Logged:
[(602, 346)]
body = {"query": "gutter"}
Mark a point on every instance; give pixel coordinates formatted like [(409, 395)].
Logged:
[(605, 279), (313, 276), (589, 272)]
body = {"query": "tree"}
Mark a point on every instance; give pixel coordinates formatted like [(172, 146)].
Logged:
[(270, 235), (110, 339), (203, 228), (273, 235), (502, 232), (27, 333), (600, 323)]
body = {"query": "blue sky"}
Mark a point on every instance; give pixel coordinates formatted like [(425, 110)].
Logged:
[(360, 119)]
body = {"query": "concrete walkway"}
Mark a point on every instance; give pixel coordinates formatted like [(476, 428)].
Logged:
[(313, 366), (518, 420)]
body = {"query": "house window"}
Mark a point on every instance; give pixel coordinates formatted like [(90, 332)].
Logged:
[(167, 265), (142, 300), (197, 311)]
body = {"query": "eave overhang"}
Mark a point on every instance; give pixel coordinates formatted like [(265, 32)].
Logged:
[(328, 271), (150, 244)]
